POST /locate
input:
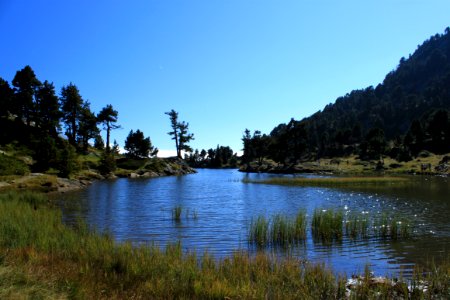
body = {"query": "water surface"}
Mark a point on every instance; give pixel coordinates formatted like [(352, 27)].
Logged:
[(218, 207)]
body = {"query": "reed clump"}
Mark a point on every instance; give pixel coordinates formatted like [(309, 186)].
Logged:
[(176, 213), (259, 231), (279, 230), (332, 181), (357, 226), (42, 258), (326, 225), (393, 228)]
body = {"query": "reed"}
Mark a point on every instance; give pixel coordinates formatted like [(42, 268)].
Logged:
[(393, 228), (279, 230), (357, 226), (326, 225), (42, 258), (332, 181), (176, 213), (259, 231)]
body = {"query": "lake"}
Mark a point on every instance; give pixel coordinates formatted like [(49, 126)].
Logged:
[(217, 208)]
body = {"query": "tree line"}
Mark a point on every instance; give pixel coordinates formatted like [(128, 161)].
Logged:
[(406, 114), (34, 116), (220, 157)]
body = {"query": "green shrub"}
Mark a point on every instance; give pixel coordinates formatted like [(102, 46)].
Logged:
[(67, 162), (130, 163), (107, 163), (12, 166)]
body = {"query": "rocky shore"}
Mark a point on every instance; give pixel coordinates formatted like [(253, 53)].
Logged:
[(52, 184)]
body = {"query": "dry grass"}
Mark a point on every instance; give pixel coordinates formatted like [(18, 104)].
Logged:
[(42, 258), (332, 181), (38, 183)]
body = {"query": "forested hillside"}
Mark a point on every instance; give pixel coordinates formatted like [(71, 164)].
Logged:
[(406, 113)]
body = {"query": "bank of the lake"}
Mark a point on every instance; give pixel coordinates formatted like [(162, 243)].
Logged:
[(216, 209), (40, 257), (429, 164), (127, 168)]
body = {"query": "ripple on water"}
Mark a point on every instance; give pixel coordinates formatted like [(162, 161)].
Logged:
[(140, 211)]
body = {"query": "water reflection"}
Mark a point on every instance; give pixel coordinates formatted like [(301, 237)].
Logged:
[(140, 210)]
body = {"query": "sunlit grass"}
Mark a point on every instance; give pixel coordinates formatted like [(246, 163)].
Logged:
[(279, 230), (326, 225), (393, 228), (331, 181), (357, 226), (42, 258), (259, 231)]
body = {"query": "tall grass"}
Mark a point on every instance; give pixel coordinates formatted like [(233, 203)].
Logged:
[(392, 227), (259, 231), (357, 226), (326, 225), (278, 230), (176, 213), (40, 257), (332, 181)]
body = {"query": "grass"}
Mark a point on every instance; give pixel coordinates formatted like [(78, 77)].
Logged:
[(393, 228), (326, 225), (259, 231), (38, 183), (176, 213), (42, 258), (278, 230), (12, 166), (332, 181), (357, 226)]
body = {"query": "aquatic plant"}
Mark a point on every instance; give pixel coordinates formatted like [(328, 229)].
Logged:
[(357, 226), (326, 225), (332, 181), (258, 231), (176, 213), (88, 265), (195, 214), (392, 227), (279, 230)]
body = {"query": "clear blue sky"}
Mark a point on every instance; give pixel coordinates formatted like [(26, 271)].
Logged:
[(223, 65)]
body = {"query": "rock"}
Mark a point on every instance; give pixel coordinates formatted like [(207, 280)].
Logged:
[(168, 170), (133, 175), (149, 174)]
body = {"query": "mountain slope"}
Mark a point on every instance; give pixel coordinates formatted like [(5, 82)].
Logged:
[(419, 86)]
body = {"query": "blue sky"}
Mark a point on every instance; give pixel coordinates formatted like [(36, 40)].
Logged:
[(223, 65)]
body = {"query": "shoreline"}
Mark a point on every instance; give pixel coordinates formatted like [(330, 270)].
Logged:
[(48, 183)]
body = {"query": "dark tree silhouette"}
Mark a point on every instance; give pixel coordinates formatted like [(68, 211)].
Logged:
[(6, 98), (87, 126), (179, 133), (138, 146), (26, 85), (48, 115), (71, 107), (108, 117)]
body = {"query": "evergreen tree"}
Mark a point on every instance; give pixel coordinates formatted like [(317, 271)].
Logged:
[(6, 98), (87, 126), (437, 129), (71, 108), (179, 133), (138, 146), (26, 85), (247, 156), (375, 142), (48, 114), (99, 144), (108, 117)]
